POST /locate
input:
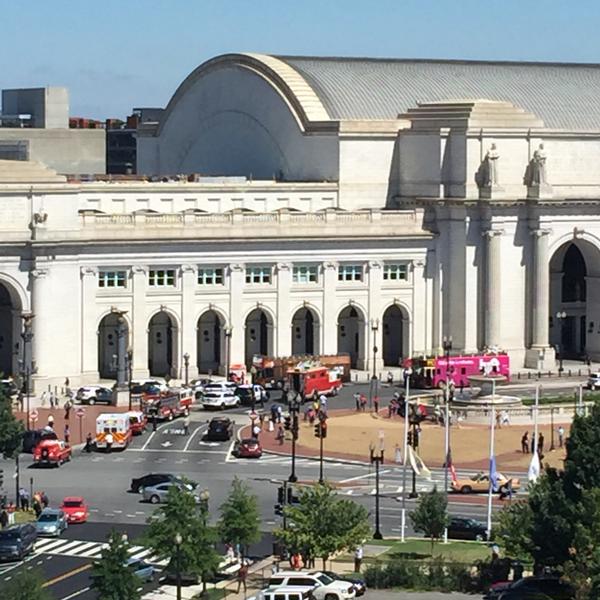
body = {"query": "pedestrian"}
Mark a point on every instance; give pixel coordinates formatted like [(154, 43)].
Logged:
[(280, 434), (88, 443), (376, 404), (398, 455), (51, 422), (67, 433), (279, 414), (461, 387), (153, 417), (391, 408), (358, 556), (242, 575), (261, 420), (186, 425), (390, 378), (43, 398), (323, 404), (498, 420), (3, 518), (525, 443), (561, 436), (505, 418), (255, 431), (109, 441), (541, 443), (44, 499), (356, 397), (363, 403), (37, 507), (67, 407), (296, 561)]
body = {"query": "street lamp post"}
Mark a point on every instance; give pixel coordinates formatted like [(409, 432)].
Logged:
[(373, 386), (178, 541), (186, 366), (27, 336), (414, 443), (294, 408), (447, 345), (129, 363), (552, 428), (561, 317), (228, 331), (377, 459)]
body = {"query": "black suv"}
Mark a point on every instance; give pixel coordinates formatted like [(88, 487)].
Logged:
[(533, 588), (32, 437), (466, 529), (17, 541), (220, 429), (137, 483)]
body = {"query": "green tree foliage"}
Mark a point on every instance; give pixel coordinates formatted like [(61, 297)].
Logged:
[(431, 515), (514, 529), (111, 578), (322, 524), (181, 516), (24, 585), (11, 430), (240, 519)]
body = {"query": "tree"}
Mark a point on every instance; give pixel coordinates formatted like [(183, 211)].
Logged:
[(181, 516), (111, 578), (322, 524), (431, 515), (11, 430), (25, 585), (514, 529), (240, 519)]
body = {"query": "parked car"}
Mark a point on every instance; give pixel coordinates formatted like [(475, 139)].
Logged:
[(593, 382), (360, 587), (534, 588), (247, 448), (251, 393), (466, 529), (141, 569), (17, 541), (324, 587), (51, 452), (158, 493), (94, 394), (9, 388), (76, 509), (32, 437), (220, 429), (221, 399), (481, 483), (51, 522), (137, 483)]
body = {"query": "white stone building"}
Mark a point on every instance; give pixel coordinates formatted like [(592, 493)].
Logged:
[(354, 203)]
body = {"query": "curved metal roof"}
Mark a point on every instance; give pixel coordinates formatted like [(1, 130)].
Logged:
[(564, 96)]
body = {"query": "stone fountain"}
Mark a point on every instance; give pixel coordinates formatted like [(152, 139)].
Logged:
[(481, 394)]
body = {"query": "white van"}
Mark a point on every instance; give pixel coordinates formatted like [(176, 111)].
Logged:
[(285, 593), (116, 424)]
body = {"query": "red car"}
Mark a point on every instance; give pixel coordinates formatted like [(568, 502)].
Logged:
[(51, 452), (75, 508), (248, 448)]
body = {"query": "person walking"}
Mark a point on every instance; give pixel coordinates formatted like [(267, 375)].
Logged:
[(323, 404), (561, 436), (525, 443), (356, 397), (376, 404), (67, 433), (4, 518), (358, 556), (88, 443), (255, 431), (186, 425), (51, 421), (390, 378), (44, 499), (363, 403), (109, 441), (242, 576), (541, 443), (43, 398), (280, 436), (67, 407)]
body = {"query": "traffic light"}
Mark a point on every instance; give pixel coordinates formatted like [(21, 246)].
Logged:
[(318, 430), (1, 478), (324, 429), (280, 495), (287, 423), (290, 495)]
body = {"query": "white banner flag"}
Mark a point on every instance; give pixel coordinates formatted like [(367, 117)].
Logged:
[(417, 464), (534, 468)]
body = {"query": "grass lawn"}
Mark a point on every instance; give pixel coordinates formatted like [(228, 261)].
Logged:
[(466, 552), (24, 517)]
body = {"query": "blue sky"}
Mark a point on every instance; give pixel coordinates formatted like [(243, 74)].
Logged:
[(117, 54)]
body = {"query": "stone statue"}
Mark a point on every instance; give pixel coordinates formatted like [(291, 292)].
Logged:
[(536, 172), (487, 174)]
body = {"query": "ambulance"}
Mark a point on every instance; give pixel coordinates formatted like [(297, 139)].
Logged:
[(117, 424)]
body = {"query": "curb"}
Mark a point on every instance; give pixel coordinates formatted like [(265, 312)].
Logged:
[(344, 461)]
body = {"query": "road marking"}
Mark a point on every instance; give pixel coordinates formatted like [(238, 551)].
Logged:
[(229, 456), (151, 436), (75, 594), (187, 445), (177, 451), (365, 476), (67, 575)]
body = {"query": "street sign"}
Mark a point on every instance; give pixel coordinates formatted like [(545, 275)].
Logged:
[(33, 415), (253, 416), (80, 412)]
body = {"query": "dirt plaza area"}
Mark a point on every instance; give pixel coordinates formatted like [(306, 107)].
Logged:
[(349, 435)]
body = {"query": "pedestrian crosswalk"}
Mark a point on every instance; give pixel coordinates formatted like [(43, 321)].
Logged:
[(85, 549), (273, 459)]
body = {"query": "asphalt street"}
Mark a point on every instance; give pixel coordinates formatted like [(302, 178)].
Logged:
[(103, 479)]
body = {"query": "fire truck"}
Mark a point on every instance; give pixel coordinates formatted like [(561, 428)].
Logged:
[(311, 382), (51, 452), (169, 405)]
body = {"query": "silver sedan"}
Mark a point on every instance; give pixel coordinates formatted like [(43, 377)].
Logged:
[(51, 522), (155, 494)]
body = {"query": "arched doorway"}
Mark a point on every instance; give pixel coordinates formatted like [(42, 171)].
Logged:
[(351, 338), (107, 346), (305, 332), (10, 328), (162, 345), (259, 334), (209, 342), (393, 333), (575, 300)]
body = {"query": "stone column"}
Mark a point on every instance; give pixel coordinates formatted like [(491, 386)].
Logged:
[(329, 326), (493, 304), (236, 314), (375, 283), (189, 338), (283, 343), (139, 324), (43, 309), (416, 341), (89, 329)]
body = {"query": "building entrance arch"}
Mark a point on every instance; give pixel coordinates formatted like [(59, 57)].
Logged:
[(351, 335), (10, 330), (305, 332), (575, 300), (162, 345), (107, 345), (210, 342), (259, 335), (394, 334)]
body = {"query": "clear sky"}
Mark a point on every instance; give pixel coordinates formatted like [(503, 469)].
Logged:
[(117, 54)]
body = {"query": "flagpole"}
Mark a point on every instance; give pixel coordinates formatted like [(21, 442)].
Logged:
[(491, 483), (446, 447), (536, 410), (405, 457)]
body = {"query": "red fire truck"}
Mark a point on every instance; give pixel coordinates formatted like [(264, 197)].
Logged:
[(169, 405), (314, 381)]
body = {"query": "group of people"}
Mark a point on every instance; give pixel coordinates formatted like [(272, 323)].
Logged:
[(528, 445), (37, 503)]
